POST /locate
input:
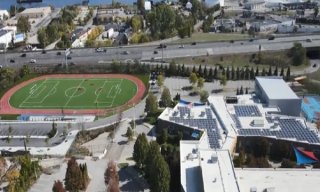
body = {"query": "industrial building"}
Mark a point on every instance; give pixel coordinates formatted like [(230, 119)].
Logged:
[(272, 112), (34, 13), (274, 92)]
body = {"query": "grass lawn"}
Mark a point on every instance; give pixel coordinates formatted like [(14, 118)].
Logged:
[(74, 93), (280, 59), (203, 37)]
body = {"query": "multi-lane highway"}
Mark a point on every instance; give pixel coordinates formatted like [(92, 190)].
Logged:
[(140, 52)]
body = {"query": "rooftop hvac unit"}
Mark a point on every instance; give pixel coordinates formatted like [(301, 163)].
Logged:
[(214, 158), (253, 189)]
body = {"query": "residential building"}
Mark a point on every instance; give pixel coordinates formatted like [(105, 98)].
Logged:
[(4, 15)]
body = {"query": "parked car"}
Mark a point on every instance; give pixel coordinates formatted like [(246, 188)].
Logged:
[(23, 55), (12, 60), (309, 40), (126, 52), (155, 52), (69, 57), (44, 51), (58, 53), (33, 61), (181, 46), (193, 43)]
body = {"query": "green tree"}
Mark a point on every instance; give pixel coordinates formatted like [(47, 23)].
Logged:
[(160, 80), (42, 37), (193, 79), (200, 83), (25, 70), (288, 74), (165, 99), (223, 80), (172, 68), (204, 96), (140, 5), (140, 150), (298, 54), (23, 24), (163, 136), (129, 134), (151, 104), (161, 21), (153, 152), (73, 180), (136, 23), (160, 175)]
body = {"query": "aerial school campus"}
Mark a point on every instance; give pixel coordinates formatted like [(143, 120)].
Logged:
[(170, 96)]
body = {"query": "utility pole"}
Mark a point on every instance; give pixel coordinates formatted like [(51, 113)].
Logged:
[(67, 53)]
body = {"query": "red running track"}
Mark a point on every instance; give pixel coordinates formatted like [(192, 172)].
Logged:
[(6, 108)]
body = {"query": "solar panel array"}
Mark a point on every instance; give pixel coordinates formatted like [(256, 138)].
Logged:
[(290, 129), (247, 111), (236, 121), (209, 124)]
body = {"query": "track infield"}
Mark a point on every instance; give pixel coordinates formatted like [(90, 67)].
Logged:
[(72, 94)]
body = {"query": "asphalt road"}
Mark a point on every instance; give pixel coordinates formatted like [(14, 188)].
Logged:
[(86, 56)]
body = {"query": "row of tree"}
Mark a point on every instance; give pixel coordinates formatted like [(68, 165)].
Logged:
[(149, 159), (232, 73)]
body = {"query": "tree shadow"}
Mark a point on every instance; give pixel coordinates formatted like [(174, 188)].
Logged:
[(122, 142), (132, 180)]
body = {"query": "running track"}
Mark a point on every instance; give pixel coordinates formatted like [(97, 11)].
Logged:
[(6, 108)]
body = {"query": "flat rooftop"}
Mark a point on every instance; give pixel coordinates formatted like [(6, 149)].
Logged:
[(276, 88), (36, 10), (204, 169), (284, 180)]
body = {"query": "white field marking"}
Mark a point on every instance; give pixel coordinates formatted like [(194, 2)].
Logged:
[(47, 95), (32, 93), (74, 92), (116, 95), (60, 106), (102, 87)]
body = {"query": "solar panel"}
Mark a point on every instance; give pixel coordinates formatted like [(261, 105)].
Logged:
[(247, 111), (290, 129)]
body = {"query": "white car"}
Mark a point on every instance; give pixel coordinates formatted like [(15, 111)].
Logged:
[(33, 61), (101, 50)]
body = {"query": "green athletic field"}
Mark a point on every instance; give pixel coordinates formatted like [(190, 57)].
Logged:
[(74, 93)]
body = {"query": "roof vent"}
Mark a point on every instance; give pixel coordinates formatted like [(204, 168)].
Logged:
[(214, 158)]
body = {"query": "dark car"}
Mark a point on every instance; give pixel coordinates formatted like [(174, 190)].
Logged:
[(59, 53), (44, 51), (23, 55), (231, 41), (193, 43), (12, 60), (314, 65), (162, 46), (271, 37), (251, 40), (69, 57), (155, 52)]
